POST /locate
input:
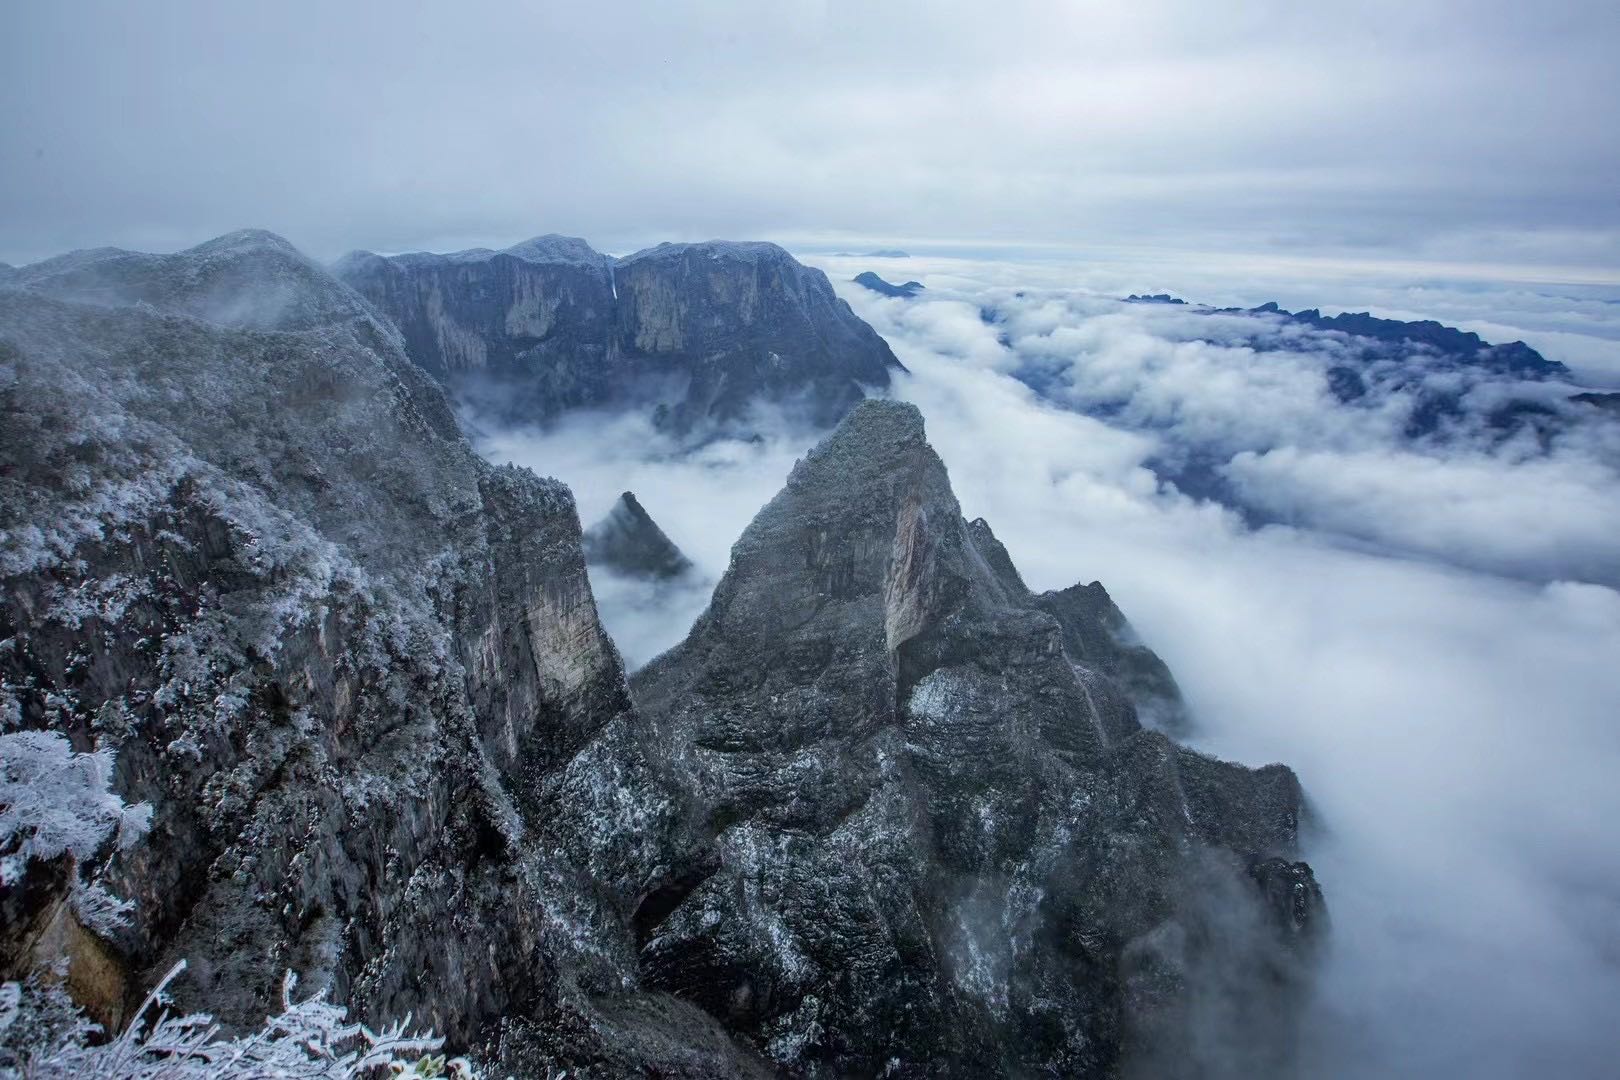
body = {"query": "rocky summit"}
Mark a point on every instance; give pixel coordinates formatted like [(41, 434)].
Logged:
[(885, 812), (628, 541), (699, 332), (932, 835)]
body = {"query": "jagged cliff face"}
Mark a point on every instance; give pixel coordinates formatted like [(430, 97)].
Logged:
[(702, 330), (930, 828), (746, 322), (356, 671), (522, 333)]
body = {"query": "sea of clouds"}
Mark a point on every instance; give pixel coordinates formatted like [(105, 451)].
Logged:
[(1425, 629)]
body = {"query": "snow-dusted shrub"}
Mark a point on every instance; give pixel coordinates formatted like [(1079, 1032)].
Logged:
[(53, 800), (44, 1037)]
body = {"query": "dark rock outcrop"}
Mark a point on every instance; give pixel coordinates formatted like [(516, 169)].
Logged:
[(1153, 298), (629, 542), (888, 288), (930, 834), (1097, 635), (704, 331)]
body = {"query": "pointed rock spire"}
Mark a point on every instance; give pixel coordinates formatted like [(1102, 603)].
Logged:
[(630, 542), (931, 826)]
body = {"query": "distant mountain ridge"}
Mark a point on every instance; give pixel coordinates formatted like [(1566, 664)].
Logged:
[(1416, 386), (702, 331), (1609, 402), (878, 285), (1514, 357)]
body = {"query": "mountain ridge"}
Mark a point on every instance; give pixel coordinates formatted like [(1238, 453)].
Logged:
[(704, 331)]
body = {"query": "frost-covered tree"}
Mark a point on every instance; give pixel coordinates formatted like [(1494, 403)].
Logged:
[(43, 1036), (54, 800)]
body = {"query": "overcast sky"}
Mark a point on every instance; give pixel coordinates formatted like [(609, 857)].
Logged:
[(1474, 130)]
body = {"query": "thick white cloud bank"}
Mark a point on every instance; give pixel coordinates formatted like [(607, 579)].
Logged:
[(1251, 397), (1417, 644)]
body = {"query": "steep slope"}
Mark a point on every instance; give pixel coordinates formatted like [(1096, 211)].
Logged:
[(703, 330), (934, 837), (356, 671), (628, 541)]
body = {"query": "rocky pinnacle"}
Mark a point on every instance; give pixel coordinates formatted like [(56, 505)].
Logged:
[(929, 825)]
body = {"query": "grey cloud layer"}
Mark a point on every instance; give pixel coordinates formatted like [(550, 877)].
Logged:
[(1450, 130)]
